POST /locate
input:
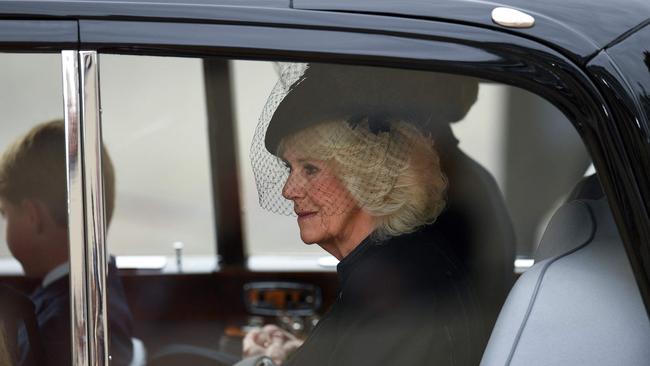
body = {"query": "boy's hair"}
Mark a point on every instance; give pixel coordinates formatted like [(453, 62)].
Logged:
[(34, 167)]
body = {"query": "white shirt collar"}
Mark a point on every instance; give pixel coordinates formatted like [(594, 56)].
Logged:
[(56, 273)]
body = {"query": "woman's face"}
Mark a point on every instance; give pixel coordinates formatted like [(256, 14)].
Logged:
[(326, 211)]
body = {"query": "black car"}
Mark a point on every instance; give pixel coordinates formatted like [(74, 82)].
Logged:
[(550, 166)]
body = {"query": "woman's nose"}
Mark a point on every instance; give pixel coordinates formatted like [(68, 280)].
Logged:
[(293, 187)]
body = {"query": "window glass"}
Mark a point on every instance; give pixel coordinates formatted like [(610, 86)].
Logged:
[(312, 158), (544, 158), (155, 130), (530, 148), (27, 100), (323, 145), (162, 234), (252, 84), (33, 202), (508, 131)]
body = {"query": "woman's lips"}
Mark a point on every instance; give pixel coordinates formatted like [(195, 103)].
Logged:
[(305, 215)]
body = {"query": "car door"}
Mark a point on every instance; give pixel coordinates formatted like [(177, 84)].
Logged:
[(175, 98), (214, 301)]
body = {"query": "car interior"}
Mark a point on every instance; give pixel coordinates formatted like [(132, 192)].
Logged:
[(202, 264), (580, 267)]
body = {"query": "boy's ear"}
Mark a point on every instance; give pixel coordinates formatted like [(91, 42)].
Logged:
[(37, 213)]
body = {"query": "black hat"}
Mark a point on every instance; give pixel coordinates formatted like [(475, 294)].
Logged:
[(335, 92)]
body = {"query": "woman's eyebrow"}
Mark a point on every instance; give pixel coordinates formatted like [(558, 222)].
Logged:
[(299, 160)]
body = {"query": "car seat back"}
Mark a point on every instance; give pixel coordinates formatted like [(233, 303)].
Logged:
[(580, 304), (477, 224)]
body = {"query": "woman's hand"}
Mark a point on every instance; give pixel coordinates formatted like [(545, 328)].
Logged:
[(270, 341)]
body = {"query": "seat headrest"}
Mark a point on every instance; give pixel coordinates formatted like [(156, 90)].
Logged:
[(571, 226), (574, 223), (588, 188)]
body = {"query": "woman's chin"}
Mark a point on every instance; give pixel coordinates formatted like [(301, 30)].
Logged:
[(307, 240), (309, 237)]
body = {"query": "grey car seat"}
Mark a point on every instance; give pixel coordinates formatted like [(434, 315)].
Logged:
[(579, 304)]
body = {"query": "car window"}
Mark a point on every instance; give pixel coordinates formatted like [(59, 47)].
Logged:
[(509, 159), (27, 101), (154, 129), (518, 137), (511, 145), (253, 81), (34, 282)]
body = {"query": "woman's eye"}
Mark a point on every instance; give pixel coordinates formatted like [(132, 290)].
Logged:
[(287, 165), (310, 169)]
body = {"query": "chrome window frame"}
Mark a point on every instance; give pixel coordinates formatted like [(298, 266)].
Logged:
[(86, 219)]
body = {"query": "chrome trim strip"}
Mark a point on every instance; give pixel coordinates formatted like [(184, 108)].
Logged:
[(76, 232), (96, 264)]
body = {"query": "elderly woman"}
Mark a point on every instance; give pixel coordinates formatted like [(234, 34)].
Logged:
[(364, 180)]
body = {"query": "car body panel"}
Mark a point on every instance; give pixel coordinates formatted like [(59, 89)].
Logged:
[(577, 31), (38, 34), (622, 72)]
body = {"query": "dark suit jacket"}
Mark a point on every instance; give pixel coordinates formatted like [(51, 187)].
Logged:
[(52, 304)]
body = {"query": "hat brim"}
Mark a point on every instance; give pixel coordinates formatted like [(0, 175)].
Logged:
[(336, 92)]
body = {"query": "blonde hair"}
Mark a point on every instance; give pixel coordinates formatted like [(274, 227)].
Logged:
[(34, 167), (393, 174)]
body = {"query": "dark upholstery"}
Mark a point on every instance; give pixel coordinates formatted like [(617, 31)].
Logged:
[(477, 222)]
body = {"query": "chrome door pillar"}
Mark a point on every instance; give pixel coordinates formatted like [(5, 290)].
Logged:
[(86, 220)]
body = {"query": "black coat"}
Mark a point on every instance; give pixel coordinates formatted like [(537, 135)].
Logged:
[(402, 301), (52, 306)]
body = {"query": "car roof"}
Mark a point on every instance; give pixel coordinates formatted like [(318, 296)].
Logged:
[(582, 27), (577, 28)]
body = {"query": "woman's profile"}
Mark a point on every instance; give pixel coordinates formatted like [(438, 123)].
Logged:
[(352, 159)]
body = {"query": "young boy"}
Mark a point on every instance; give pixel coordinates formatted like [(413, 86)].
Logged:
[(33, 201)]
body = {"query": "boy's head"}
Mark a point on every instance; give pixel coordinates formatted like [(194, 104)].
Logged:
[(33, 197)]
